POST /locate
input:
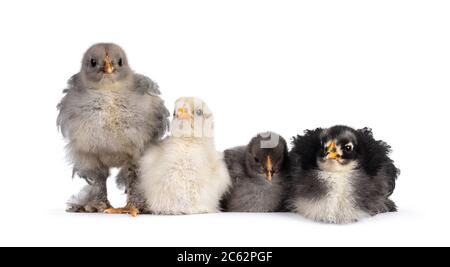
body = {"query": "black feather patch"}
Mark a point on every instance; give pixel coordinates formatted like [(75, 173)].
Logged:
[(374, 155), (306, 148)]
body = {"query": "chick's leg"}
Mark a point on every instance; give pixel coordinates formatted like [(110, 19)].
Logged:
[(134, 206), (93, 197), (127, 178)]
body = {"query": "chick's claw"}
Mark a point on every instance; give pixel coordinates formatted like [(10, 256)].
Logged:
[(127, 210)]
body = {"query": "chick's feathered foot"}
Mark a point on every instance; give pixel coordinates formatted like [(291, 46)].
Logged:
[(92, 207), (92, 198)]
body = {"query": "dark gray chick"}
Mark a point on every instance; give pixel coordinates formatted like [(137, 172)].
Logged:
[(256, 171), (109, 114)]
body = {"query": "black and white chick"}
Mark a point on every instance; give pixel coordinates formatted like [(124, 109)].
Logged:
[(257, 176), (340, 175), (109, 115)]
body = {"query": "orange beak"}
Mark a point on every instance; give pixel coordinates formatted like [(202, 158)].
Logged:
[(331, 151), (107, 65), (269, 165), (183, 114)]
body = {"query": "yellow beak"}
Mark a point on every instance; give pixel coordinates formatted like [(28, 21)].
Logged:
[(183, 114), (269, 168), (107, 65), (331, 151)]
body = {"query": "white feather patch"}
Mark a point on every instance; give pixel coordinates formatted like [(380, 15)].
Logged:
[(183, 176), (338, 205)]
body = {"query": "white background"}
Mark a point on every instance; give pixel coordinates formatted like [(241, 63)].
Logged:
[(260, 65)]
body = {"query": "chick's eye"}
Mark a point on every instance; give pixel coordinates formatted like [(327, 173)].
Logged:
[(199, 112), (120, 62), (256, 160), (348, 148), (93, 62)]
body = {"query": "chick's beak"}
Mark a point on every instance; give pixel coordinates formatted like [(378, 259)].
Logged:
[(331, 151), (183, 114), (108, 67), (269, 168)]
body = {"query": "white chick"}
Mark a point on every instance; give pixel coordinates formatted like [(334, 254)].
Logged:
[(184, 174)]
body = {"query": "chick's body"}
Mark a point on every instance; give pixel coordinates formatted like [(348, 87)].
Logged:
[(190, 177), (113, 126), (184, 174), (257, 185), (108, 120)]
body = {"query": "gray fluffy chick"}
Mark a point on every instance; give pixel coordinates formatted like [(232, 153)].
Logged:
[(109, 115), (256, 171)]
